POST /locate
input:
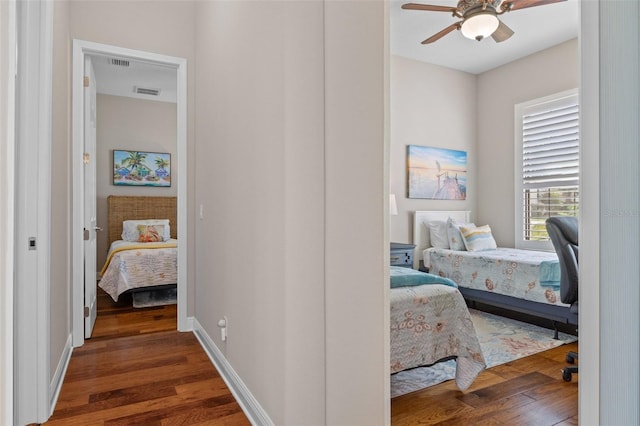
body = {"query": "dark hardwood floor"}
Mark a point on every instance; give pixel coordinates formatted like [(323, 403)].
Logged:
[(138, 370), (528, 391)]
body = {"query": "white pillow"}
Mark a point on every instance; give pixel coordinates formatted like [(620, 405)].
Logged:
[(130, 231), (453, 234), (438, 234), (478, 239)]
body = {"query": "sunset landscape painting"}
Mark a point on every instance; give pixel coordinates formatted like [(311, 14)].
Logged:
[(436, 173)]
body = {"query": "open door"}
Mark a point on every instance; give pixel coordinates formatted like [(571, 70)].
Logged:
[(90, 209), (84, 284)]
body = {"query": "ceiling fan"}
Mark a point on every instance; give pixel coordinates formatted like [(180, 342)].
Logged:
[(479, 17)]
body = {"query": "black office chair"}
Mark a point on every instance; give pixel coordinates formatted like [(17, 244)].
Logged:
[(563, 231)]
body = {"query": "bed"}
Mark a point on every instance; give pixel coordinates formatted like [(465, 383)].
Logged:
[(524, 281), (132, 265), (431, 323)]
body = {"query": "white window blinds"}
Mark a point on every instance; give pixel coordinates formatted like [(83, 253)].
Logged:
[(547, 166), (551, 148)]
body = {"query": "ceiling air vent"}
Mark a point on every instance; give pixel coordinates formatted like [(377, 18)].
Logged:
[(146, 91), (119, 62)]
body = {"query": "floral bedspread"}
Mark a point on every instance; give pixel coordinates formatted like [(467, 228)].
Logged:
[(430, 323), (136, 268), (512, 272)]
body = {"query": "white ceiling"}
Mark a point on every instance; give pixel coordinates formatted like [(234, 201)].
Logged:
[(536, 28), (120, 80)]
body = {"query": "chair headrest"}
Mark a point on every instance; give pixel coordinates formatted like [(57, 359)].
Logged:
[(567, 226)]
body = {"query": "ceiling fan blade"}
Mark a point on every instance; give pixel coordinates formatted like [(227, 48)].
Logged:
[(439, 35), (429, 7), (502, 33), (523, 4)]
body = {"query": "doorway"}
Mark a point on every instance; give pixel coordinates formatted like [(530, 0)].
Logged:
[(81, 51)]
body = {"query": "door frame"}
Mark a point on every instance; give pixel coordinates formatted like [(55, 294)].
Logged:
[(80, 49), (90, 223), (8, 65), (33, 92)]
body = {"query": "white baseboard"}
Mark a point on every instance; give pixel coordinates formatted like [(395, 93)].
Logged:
[(251, 407), (188, 324), (56, 383)]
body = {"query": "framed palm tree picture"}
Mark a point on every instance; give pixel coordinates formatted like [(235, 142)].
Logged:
[(138, 168)]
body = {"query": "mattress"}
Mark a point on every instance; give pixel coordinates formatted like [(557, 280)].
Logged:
[(136, 265), (430, 323), (524, 274)]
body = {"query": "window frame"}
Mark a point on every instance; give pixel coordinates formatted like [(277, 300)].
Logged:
[(564, 98)]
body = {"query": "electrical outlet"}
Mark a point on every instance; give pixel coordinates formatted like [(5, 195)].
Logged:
[(223, 324)]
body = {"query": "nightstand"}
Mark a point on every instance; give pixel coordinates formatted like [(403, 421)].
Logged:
[(401, 254)]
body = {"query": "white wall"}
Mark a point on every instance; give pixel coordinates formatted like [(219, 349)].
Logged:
[(131, 124), (618, 238), (259, 177), (609, 214), (284, 111), (430, 106), (60, 320), (544, 73), (357, 290)]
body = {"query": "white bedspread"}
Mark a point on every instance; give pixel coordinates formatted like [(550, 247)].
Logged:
[(134, 267), (432, 322)]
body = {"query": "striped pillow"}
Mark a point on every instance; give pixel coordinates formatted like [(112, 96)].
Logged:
[(478, 239)]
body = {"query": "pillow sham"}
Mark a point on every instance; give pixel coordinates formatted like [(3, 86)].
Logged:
[(150, 233), (453, 233), (407, 277), (438, 234), (478, 238), (130, 231)]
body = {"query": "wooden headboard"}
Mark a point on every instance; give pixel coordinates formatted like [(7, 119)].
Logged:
[(121, 208), (421, 220)]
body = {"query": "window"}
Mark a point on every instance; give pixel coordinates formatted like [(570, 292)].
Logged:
[(547, 165)]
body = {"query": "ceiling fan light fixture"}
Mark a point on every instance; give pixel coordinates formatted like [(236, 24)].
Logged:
[(480, 24)]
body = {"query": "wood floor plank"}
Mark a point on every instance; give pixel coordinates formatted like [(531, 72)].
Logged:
[(235, 419), (554, 390), (544, 412), (506, 389), (104, 365), (220, 406), (573, 421), (136, 378), (202, 389), (152, 409), (488, 414)]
